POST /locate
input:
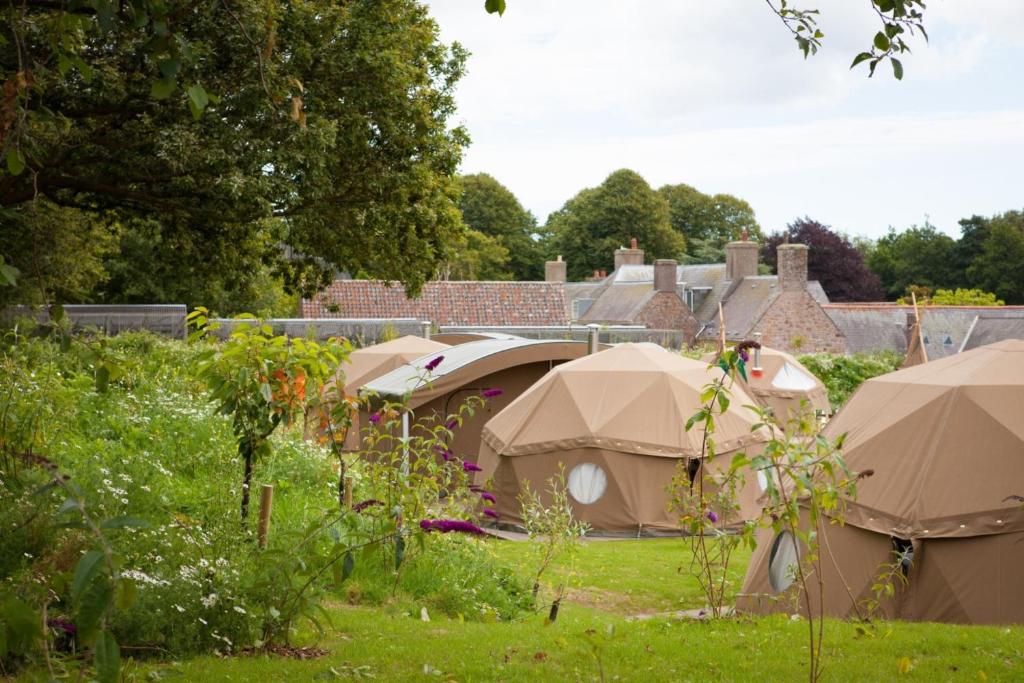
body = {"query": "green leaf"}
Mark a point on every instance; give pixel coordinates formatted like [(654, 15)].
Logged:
[(265, 392), (162, 89), (8, 274), (170, 68), (860, 58), (127, 593), (15, 161), (881, 41), (493, 6), (197, 100), (897, 69), (85, 570), (106, 655), (124, 521), (102, 379)]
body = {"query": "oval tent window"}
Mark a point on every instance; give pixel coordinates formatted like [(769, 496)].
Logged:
[(587, 483), (782, 562)]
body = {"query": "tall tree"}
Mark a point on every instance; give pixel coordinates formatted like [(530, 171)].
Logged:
[(920, 255), (707, 222), (590, 226), (998, 267), (490, 208), (477, 257), (831, 260), (208, 119)]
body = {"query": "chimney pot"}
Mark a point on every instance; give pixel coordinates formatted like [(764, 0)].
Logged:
[(555, 271), (634, 256), (665, 275), (792, 267), (740, 260)]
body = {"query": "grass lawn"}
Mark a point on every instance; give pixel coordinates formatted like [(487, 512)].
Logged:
[(593, 638)]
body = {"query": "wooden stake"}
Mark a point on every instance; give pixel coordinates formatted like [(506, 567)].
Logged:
[(347, 498), (920, 332), (721, 324), (266, 502)]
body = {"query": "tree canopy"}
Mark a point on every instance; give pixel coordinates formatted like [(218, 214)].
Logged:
[(832, 260), (998, 267), (707, 222), (920, 255), (491, 209), (590, 226), (318, 126)]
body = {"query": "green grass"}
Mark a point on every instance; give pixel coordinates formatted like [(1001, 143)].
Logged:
[(394, 644), (613, 580)]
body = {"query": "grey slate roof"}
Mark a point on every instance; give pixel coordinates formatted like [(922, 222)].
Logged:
[(879, 326), (744, 303), (619, 303), (989, 329)]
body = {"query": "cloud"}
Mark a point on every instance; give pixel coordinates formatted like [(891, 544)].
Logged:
[(715, 94)]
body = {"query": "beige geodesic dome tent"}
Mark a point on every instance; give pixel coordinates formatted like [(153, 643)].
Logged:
[(777, 380), (945, 440), (616, 420), (470, 369), (370, 362)]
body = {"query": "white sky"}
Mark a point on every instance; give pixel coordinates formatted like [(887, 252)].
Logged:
[(714, 93)]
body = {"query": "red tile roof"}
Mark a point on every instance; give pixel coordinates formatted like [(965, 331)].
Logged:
[(444, 302)]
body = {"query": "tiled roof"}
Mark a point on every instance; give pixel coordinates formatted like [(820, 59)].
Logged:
[(444, 302)]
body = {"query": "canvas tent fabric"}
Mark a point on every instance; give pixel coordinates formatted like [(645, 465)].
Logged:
[(616, 420), (469, 369), (784, 382), (370, 362), (946, 446)]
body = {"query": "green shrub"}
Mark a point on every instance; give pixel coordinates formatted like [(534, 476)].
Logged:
[(843, 374)]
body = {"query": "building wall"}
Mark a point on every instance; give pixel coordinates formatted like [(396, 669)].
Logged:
[(796, 323), (667, 311)]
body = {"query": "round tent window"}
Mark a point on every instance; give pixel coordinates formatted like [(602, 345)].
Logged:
[(587, 483), (782, 562)]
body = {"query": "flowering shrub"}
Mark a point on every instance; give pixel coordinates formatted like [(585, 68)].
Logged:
[(155, 461)]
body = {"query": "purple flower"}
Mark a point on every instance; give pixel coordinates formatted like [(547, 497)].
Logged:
[(744, 356), (359, 507), (490, 512), (432, 365), (62, 624), (491, 393), (712, 516), (375, 418), (446, 525), (451, 424), (470, 467), (486, 495)]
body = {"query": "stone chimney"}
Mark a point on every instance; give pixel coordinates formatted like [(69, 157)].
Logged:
[(792, 267), (555, 271), (740, 260), (634, 256), (665, 275)]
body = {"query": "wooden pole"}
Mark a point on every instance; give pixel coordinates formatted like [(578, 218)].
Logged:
[(920, 332), (347, 497), (721, 324), (266, 502)]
